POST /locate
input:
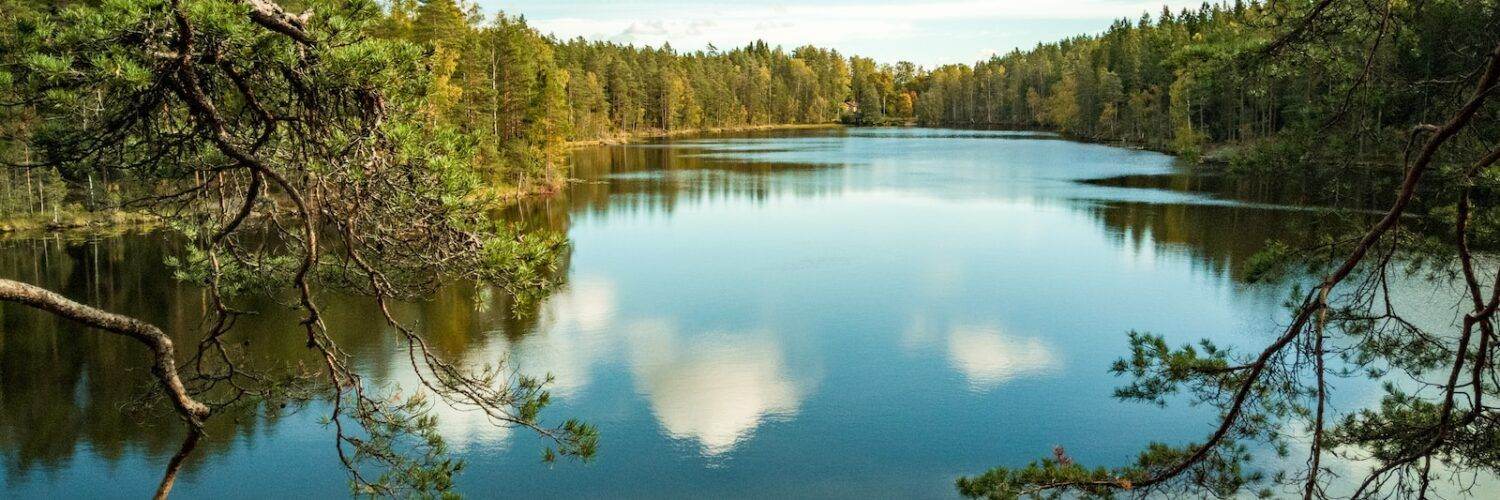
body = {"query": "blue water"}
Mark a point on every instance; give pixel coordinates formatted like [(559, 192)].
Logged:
[(847, 313)]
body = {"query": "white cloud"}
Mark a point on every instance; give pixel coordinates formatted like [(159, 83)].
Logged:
[(716, 389), (984, 54), (577, 323), (985, 355), (989, 358), (713, 389), (693, 33), (575, 334), (692, 27), (987, 9)]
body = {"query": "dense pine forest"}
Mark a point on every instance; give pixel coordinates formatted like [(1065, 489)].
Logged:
[(1195, 82), (521, 95)]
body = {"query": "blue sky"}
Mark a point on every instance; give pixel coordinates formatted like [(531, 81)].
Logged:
[(928, 33)]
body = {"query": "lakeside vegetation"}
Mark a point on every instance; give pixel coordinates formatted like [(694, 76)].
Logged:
[(1218, 80), (1200, 83), (290, 154), (514, 98)]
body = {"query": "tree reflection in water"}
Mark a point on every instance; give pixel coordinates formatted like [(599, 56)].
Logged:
[(715, 387)]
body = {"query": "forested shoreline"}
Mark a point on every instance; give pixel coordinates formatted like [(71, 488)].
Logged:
[(1199, 83), (522, 96), (515, 97), (1215, 81)]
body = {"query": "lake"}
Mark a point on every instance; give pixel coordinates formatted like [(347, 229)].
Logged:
[(825, 313)]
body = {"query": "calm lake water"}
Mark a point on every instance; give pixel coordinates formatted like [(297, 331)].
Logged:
[(838, 313)]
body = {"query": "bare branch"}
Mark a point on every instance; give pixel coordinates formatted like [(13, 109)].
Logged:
[(164, 365)]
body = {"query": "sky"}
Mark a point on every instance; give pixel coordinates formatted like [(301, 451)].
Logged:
[(929, 33)]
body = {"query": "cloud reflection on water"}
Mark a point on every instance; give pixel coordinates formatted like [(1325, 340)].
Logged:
[(579, 323), (988, 357), (715, 389), (985, 355)]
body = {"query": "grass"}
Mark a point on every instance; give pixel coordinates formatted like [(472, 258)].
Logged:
[(73, 221)]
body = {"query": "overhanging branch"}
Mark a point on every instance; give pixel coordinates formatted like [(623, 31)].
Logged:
[(163, 365)]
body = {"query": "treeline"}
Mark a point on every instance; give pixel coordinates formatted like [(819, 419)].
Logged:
[(1215, 76), (520, 95), (39, 195), (1194, 82), (517, 97)]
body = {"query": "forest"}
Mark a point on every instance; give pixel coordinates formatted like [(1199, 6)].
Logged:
[(1198, 83), (1212, 82), (522, 96)]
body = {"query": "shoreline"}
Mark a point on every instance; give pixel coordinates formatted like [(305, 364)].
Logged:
[(649, 134), (77, 224), (116, 221), (1107, 141)]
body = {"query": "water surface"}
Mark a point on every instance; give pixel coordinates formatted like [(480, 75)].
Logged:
[(841, 313)]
